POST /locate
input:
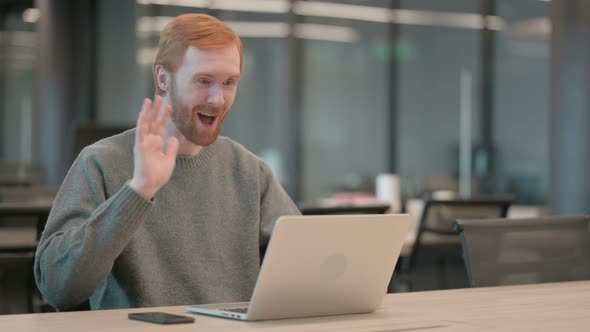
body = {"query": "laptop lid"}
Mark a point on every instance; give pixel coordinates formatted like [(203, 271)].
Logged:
[(327, 265)]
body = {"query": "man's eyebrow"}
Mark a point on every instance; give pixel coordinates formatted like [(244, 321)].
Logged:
[(197, 75), (209, 75)]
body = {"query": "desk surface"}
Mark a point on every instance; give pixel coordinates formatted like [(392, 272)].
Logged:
[(543, 307), (14, 237), (18, 237)]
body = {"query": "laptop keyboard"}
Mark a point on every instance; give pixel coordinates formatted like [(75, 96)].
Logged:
[(241, 310)]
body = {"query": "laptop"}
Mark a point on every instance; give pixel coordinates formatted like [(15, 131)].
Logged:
[(320, 266)]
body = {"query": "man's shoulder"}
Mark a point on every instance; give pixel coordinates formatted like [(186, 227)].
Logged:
[(230, 147), (240, 155), (115, 147)]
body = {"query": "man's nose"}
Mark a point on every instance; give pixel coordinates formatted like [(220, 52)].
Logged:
[(215, 97)]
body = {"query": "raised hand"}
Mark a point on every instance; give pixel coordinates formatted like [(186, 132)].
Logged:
[(153, 165)]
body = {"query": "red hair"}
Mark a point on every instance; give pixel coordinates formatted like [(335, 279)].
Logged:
[(198, 30)]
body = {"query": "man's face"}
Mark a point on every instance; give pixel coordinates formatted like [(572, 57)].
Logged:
[(202, 91)]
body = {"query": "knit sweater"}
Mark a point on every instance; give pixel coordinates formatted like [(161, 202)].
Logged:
[(196, 242)]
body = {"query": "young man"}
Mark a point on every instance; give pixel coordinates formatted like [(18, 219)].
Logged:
[(168, 213)]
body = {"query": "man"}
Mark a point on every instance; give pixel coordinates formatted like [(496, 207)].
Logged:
[(167, 213)]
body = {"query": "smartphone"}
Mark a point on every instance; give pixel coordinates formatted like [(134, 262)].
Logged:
[(161, 318)]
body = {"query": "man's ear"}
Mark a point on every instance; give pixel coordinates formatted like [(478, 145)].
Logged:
[(162, 77)]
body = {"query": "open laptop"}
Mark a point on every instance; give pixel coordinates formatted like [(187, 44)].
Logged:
[(322, 265)]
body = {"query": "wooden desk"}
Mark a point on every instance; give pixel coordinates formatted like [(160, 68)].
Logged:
[(542, 307)]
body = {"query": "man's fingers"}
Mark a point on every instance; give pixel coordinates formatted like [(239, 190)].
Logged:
[(138, 128), (141, 128), (154, 112), (172, 148), (149, 114), (164, 119)]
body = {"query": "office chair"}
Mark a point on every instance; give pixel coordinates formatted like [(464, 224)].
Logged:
[(523, 251), (436, 242)]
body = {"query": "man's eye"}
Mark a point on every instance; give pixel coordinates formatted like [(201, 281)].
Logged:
[(229, 83), (203, 81)]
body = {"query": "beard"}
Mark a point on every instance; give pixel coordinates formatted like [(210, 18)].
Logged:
[(186, 120)]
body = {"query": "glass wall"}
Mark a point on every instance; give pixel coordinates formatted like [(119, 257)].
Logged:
[(434, 48), (346, 87), (521, 99)]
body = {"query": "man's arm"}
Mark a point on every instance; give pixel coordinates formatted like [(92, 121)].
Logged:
[(274, 202), (84, 236), (87, 230)]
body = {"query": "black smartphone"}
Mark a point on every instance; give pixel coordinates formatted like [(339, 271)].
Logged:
[(161, 318)]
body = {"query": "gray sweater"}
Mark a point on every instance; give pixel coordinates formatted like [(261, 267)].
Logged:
[(196, 242)]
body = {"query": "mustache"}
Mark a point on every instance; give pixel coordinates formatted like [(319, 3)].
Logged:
[(209, 110)]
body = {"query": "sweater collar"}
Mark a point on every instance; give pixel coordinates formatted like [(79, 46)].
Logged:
[(200, 159)]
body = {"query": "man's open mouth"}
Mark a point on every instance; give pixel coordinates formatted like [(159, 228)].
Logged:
[(207, 120)]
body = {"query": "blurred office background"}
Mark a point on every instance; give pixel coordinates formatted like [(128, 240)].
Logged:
[(334, 92)]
